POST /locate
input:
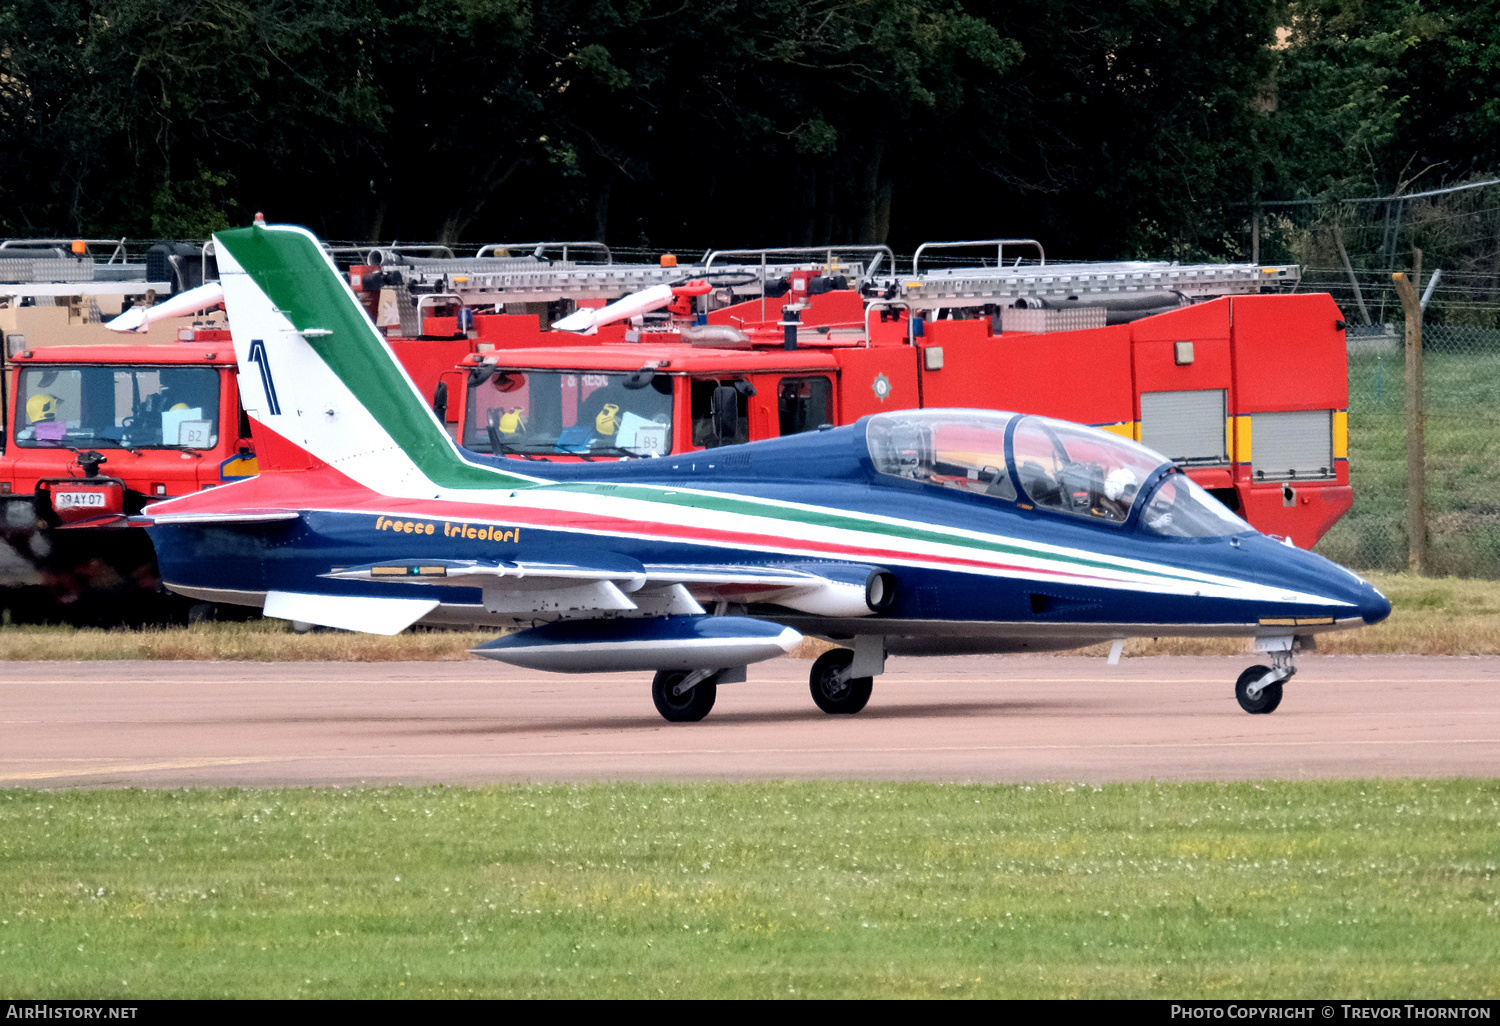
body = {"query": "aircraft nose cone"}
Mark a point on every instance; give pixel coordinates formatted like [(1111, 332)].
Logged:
[(1359, 597), (1374, 606)]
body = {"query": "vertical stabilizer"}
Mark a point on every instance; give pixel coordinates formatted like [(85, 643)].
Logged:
[(314, 370)]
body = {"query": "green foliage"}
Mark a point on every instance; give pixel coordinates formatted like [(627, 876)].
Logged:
[(1132, 127), (1349, 889), (1336, 109), (1375, 95), (1107, 128), (190, 210), (110, 109)]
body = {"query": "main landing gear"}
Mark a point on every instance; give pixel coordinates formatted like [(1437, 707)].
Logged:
[(1259, 688), (834, 688), (684, 696), (841, 682)]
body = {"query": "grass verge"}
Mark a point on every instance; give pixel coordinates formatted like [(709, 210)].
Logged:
[(1432, 616), (1349, 889)]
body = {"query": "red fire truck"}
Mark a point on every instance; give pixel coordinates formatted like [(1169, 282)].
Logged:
[(1249, 393)]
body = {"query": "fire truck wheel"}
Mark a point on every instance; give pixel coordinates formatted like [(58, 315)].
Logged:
[(832, 695), (688, 707), (1269, 697)]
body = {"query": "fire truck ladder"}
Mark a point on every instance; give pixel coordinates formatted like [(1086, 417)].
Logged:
[(1080, 284), (486, 279)]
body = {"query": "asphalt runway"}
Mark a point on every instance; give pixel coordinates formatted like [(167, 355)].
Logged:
[(967, 718)]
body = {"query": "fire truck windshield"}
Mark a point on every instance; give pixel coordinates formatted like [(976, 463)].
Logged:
[(544, 412), (102, 407)]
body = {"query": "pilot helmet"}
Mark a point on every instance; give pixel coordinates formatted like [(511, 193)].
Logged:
[(42, 407), (1120, 483)]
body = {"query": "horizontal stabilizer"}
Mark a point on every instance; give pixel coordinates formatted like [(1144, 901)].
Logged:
[(350, 612), (662, 643)]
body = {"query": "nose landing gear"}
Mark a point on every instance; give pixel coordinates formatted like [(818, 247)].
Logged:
[(1259, 688)]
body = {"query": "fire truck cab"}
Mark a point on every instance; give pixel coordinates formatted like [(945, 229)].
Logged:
[(93, 433)]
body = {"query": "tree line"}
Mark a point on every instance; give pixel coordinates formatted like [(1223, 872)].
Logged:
[(1107, 128)]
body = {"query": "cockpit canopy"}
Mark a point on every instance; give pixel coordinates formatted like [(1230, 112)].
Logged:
[(1051, 465)]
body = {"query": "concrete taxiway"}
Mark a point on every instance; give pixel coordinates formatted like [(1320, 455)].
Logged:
[(957, 719)]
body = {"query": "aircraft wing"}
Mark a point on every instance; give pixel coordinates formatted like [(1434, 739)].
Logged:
[(613, 585)]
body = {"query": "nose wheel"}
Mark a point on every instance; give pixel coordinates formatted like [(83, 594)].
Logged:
[(1259, 688)]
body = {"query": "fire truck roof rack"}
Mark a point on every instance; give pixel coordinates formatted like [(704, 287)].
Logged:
[(32, 268), (526, 280), (534, 279), (46, 267)]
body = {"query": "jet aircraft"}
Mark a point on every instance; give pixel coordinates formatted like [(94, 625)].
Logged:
[(920, 532)]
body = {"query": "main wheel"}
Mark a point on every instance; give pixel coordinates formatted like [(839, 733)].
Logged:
[(831, 696), (688, 707), (1269, 697)]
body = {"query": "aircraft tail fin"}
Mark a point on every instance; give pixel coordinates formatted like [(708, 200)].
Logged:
[(315, 372)]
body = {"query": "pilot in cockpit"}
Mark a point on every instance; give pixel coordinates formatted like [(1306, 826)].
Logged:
[(1120, 487)]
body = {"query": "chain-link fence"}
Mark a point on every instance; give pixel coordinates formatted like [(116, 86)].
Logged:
[(1461, 372), (1349, 247)]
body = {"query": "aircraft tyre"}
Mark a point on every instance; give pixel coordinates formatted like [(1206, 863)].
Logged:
[(831, 696), (688, 707), (1269, 697)]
